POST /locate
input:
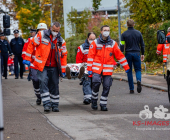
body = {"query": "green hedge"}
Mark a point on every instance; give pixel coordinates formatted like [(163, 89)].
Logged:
[(72, 44), (150, 40)]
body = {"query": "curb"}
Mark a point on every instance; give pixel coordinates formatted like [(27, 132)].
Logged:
[(146, 85)]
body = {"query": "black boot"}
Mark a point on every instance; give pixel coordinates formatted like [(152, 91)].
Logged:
[(38, 102), (104, 108), (55, 109), (87, 101), (139, 88), (47, 109), (94, 105), (131, 91)]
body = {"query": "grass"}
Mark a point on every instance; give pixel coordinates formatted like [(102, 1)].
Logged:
[(151, 68)]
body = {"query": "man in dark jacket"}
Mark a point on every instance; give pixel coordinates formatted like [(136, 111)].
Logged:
[(17, 44), (133, 42), (5, 48)]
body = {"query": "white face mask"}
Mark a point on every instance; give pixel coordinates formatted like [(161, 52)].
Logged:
[(106, 33), (54, 33), (90, 41)]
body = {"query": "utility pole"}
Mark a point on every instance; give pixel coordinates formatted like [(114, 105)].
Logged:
[(1, 100), (119, 21)]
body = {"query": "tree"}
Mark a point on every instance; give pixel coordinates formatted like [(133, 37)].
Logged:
[(149, 15), (146, 12), (78, 21), (29, 17), (96, 4), (31, 13)]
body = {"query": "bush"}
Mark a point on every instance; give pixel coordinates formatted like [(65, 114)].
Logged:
[(150, 40), (86, 26), (72, 43)]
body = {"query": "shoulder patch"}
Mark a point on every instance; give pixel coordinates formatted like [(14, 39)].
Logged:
[(64, 47), (91, 47), (38, 38)]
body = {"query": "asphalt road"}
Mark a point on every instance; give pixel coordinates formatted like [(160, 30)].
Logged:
[(80, 122)]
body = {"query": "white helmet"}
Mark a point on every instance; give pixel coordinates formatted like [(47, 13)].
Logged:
[(168, 29), (42, 26)]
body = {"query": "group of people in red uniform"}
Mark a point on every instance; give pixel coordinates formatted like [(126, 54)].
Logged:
[(46, 55), (99, 55)]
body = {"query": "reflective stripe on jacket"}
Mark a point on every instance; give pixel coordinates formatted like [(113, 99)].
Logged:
[(101, 57), (42, 42), (165, 48)]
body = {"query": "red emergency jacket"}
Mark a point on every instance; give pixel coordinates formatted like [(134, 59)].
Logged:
[(82, 53), (165, 48), (25, 48), (101, 56), (42, 42)]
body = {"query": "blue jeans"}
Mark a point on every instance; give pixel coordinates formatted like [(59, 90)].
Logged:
[(87, 81), (135, 59)]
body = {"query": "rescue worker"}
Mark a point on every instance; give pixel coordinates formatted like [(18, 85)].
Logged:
[(164, 48), (17, 44), (100, 63), (50, 61), (81, 57), (30, 49), (5, 48), (32, 33)]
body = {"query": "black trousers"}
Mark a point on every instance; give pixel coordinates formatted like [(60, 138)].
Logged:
[(4, 60), (18, 59), (96, 82), (49, 86)]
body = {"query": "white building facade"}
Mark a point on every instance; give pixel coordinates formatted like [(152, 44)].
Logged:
[(109, 7)]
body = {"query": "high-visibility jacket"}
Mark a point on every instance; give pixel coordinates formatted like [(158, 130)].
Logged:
[(82, 56), (29, 45), (101, 57), (165, 48), (31, 50), (82, 53), (25, 48), (42, 42)]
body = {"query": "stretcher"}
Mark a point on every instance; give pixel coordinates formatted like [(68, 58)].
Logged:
[(75, 68)]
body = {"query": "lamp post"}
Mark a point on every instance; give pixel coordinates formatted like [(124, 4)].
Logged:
[(1, 98), (1, 106), (119, 21), (50, 11)]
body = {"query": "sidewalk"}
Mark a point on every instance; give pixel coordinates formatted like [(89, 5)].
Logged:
[(22, 121), (152, 81)]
